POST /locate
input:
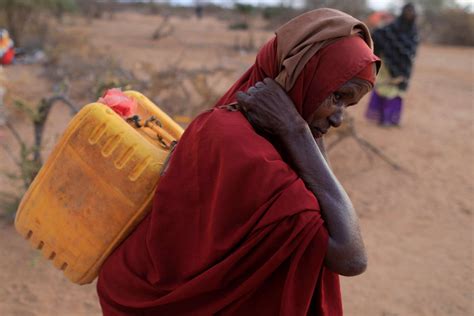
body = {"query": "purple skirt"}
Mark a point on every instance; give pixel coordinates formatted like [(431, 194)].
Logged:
[(384, 111)]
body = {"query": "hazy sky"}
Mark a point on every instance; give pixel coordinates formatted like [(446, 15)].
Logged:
[(383, 4), (375, 4)]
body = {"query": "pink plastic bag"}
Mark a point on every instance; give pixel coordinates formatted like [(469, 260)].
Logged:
[(119, 102)]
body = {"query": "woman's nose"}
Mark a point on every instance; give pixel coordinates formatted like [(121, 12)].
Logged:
[(336, 118)]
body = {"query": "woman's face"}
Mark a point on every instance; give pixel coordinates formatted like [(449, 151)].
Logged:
[(409, 13), (331, 111)]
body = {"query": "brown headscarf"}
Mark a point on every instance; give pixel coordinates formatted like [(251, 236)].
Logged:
[(303, 36)]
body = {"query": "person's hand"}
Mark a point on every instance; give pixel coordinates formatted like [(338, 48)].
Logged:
[(397, 80), (269, 109)]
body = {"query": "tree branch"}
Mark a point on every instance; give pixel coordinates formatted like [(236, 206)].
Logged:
[(64, 99), (15, 133), (350, 131), (9, 153)]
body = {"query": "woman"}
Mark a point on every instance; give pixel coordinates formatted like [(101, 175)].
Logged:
[(396, 44), (234, 229)]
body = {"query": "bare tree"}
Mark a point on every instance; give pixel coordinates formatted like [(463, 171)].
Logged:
[(29, 159)]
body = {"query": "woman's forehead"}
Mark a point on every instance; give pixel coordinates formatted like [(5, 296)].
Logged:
[(355, 83)]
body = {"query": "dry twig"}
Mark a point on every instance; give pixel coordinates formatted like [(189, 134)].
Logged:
[(349, 130), (164, 29)]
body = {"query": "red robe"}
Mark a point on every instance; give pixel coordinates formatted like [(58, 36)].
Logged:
[(234, 230)]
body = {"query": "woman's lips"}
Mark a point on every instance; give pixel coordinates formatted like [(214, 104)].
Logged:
[(317, 132)]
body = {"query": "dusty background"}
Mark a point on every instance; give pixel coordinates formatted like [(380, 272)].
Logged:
[(417, 224)]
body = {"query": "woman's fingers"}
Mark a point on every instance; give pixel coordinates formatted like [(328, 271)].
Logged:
[(242, 101), (252, 90), (270, 82), (242, 97), (245, 100), (260, 85)]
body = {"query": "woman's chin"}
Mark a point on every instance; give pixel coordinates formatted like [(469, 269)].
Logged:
[(316, 134)]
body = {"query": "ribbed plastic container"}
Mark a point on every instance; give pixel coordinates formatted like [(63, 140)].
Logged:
[(95, 187)]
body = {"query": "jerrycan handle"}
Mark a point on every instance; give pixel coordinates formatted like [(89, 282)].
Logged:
[(171, 127), (154, 125)]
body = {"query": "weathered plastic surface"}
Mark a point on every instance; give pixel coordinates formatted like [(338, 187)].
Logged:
[(95, 187)]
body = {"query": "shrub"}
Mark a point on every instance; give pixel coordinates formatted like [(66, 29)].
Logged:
[(452, 27), (20, 14)]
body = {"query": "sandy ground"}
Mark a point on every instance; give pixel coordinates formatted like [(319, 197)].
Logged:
[(417, 224)]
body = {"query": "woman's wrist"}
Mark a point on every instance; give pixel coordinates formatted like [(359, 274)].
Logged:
[(294, 132)]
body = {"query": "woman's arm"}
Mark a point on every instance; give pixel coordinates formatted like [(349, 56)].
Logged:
[(346, 252), (272, 112)]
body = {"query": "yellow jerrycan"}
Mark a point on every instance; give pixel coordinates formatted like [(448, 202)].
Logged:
[(96, 186)]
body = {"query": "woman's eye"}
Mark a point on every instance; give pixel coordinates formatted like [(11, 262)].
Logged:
[(337, 96)]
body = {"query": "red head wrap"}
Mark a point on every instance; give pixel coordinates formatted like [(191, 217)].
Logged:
[(323, 74)]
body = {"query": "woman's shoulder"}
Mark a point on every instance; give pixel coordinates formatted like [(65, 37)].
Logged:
[(221, 129)]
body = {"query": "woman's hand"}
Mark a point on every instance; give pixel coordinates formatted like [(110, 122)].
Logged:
[(269, 109)]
